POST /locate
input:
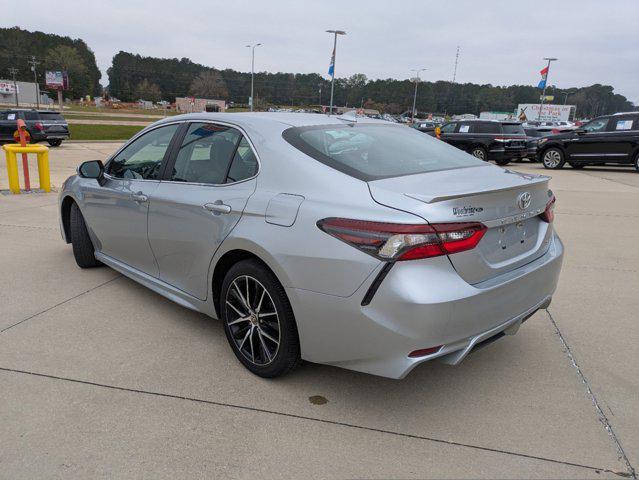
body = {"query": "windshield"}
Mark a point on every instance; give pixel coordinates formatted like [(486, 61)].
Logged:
[(373, 151), (512, 129)]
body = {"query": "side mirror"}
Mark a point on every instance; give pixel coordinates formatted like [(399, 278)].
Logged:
[(92, 169), (579, 131)]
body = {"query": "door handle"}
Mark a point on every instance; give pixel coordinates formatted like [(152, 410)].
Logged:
[(139, 197), (218, 207)]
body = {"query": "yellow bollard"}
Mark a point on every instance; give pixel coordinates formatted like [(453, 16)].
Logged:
[(12, 172), (12, 165)]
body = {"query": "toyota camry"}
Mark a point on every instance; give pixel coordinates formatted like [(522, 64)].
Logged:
[(336, 239)]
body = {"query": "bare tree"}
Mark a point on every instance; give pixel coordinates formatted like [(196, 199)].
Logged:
[(209, 84)]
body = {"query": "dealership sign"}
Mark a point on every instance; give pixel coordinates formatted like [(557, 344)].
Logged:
[(7, 88), (549, 112), (57, 80)]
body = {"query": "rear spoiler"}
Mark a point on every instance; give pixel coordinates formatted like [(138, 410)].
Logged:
[(534, 180)]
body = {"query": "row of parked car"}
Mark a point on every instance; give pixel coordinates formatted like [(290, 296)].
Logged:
[(42, 125), (610, 139)]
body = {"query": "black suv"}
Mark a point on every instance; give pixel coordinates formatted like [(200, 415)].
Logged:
[(609, 139), (501, 141), (43, 125)]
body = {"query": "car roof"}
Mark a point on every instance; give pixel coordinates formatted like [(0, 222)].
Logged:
[(285, 119)]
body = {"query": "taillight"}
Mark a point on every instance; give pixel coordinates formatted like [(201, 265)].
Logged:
[(392, 241), (549, 213), (38, 126)]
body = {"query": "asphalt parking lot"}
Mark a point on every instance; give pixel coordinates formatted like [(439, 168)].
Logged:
[(100, 377)]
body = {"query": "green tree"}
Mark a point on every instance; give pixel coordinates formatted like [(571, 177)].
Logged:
[(68, 59)]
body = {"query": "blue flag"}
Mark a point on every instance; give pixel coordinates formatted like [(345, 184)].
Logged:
[(331, 67), (542, 84)]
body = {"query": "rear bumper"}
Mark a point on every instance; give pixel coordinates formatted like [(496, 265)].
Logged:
[(420, 304), (507, 154)]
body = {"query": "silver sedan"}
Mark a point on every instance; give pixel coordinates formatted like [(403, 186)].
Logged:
[(334, 239)]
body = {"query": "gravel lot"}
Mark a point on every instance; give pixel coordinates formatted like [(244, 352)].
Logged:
[(100, 377)]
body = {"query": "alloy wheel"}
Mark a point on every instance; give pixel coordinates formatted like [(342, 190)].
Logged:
[(479, 153), (253, 320), (552, 158)]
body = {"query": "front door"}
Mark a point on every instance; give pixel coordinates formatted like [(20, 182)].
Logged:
[(199, 201), (116, 211)]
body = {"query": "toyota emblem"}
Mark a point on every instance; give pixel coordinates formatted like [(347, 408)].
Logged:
[(523, 200)]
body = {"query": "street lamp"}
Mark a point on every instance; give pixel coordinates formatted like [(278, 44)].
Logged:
[(331, 68), (415, 96), (543, 93), (252, 47)]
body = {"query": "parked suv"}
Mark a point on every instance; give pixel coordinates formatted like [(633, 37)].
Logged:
[(501, 141), (610, 139), (43, 125)]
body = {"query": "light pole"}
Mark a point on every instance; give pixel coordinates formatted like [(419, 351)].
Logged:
[(415, 95), (543, 93), (252, 47), (331, 68)]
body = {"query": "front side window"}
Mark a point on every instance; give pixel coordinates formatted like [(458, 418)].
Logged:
[(596, 125), (623, 123), (142, 158), (464, 127), (205, 154), (371, 151)]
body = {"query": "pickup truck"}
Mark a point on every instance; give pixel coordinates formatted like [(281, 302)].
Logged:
[(43, 125)]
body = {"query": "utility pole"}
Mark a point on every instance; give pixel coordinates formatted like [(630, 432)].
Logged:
[(13, 72), (331, 68), (543, 93), (456, 63), (252, 47), (33, 64), (417, 80)]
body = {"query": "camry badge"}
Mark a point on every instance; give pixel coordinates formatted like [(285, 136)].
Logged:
[(523, 200)]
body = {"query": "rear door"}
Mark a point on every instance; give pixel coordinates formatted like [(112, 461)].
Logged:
[(199, 201), (623, 132)]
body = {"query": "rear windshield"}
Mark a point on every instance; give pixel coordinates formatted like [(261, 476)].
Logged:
[(512, 129), (372, 152), (51, 116)]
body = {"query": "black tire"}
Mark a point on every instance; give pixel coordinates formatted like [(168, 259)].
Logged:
[(553, 158), (242, 325), (83, 249), (55, 143), (637, 162), (576, 166), (502, 161), (479, 152)]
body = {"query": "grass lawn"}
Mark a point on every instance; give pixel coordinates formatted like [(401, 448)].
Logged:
[(102, 132), (79, 116)]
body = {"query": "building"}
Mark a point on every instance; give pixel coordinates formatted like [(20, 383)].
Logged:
[(26, 94), (192, 104)]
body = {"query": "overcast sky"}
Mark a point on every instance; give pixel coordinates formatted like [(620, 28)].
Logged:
[(502, 43)]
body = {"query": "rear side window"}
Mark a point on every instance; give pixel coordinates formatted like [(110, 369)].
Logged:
[(51, 116), (448, 128), (31, 115), (372, 152), (487, 127), (512, 129), (244, 163), (205, 153)]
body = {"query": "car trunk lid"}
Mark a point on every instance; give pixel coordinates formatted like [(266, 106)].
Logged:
[(486, 194)]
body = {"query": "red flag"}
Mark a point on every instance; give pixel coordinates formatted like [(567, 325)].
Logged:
[(544, 71)]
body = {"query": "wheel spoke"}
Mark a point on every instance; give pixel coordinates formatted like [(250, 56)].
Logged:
[(267, 314), (262, 332), (233, 307), (263, 343), (237, 290), (239, 320), (251, 343), (259, 304), (244, 339), (248, 296)]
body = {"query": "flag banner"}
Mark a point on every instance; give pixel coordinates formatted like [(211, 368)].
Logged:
[(331, 67), (544, 75), (542, 84), (544, 71)]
